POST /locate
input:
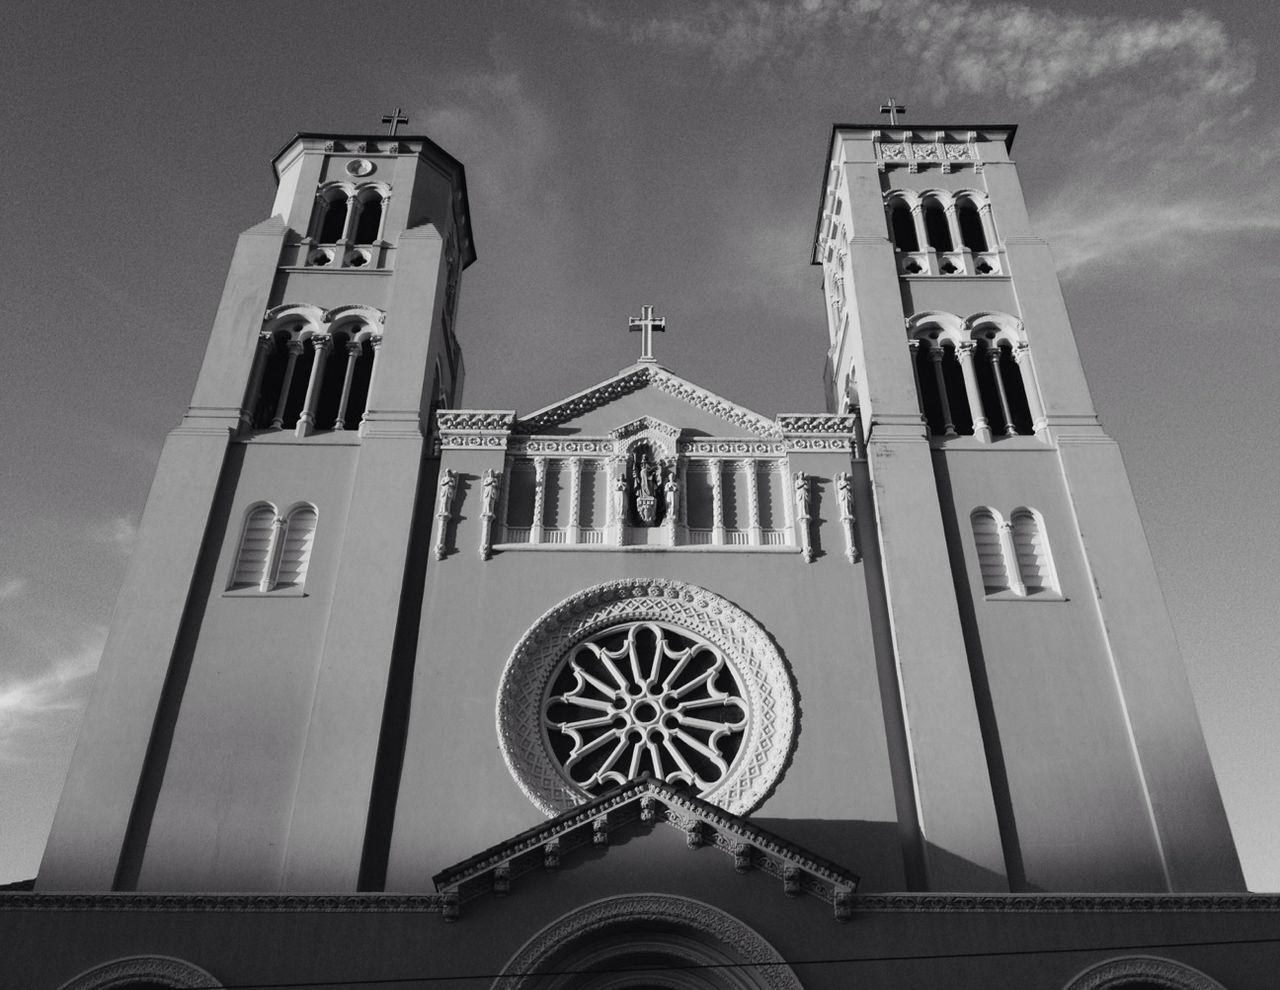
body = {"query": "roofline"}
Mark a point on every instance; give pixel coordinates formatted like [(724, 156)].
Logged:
[(1010, 129)]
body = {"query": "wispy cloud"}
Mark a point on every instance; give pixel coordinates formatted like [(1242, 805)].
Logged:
[(11, 588), (118, 533), (1007, 49), (30, 705)]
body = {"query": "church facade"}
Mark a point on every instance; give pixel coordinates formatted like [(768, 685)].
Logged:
[(642, 688)]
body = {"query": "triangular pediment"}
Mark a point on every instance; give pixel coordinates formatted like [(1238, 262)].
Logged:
[(647, 390), (637, 808)]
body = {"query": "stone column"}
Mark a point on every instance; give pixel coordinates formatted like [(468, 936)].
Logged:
[(936, 355), (1011, 558), (993, 353), (714, 467), (964, 354), (320, 350), (573, 530), (286, 383), (266, 346), (539, 498), (354, 350), (753, 502)]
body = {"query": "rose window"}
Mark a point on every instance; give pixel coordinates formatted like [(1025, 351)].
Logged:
[(646, 676), (644, 697)]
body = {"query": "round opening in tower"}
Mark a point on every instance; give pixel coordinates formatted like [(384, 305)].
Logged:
[(644, 697), (646, 677)]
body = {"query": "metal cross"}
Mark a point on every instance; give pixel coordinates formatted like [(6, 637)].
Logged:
[(892, 109), (394, 120), (647, 323)]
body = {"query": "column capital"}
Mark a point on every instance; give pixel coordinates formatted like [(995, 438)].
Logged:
[(295, 346), (321, 342), (965, 348)]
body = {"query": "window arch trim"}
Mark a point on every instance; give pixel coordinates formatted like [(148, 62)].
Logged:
[(168, 971), (264, 576), (1162, 972)]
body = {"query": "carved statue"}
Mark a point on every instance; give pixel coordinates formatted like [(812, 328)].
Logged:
[(804, 499), (844, 490), (645, 478), (620, 496), (489, 493), (448, 488)]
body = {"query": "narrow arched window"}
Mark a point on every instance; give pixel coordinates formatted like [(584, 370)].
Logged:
[(930, 398), (361, 379), (295, 547), (332, 216), (369, 219), (957, 392), (1011, 378), (253, 555), (935, 226), (971, 232), (1035, 563), (903, 226), (986, 540)]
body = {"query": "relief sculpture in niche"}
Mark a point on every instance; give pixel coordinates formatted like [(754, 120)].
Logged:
[(650, 494)]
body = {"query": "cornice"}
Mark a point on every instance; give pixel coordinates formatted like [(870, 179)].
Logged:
[(1243, 903), (471, 428)]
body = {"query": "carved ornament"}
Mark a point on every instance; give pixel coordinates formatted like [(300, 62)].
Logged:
[(136, 970), (762, 677), (1147, 970), (726, 934)]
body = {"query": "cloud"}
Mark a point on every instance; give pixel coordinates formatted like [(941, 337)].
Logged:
[(31, 706), (997, 49), (11, 588), (119, 533)]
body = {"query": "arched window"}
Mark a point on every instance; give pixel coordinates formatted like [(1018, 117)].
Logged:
[(935, 226), (986, 539), (1035, 564), (944, 399), (288, 390), (254, 553), (274, 551), (1000, 383), (331, 215), (903, 226), (295, 547), (369, 204), (971, 231)]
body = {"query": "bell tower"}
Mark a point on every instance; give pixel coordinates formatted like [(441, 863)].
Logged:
[(1015, 567), (232, 736)]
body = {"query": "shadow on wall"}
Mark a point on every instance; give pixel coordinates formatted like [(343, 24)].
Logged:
[(873, 850)]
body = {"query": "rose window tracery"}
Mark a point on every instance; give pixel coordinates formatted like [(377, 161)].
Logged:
[(645, 697), (646, 676)]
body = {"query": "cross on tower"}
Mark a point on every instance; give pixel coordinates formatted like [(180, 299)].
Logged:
[(892, 109), (394, 120), (647, 323)]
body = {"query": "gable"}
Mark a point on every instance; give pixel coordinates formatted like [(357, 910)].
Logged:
[(647, 391), (634, 813)]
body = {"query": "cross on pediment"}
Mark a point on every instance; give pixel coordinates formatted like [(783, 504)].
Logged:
[(646, 324), (892, 108), (394, 120)]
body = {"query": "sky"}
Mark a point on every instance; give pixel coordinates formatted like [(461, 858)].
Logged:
[(619, 154)]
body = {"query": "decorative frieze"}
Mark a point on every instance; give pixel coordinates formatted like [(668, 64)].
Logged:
[(915, 149), (484, 429)]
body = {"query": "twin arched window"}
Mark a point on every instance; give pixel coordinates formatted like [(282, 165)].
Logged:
[(274, 550), (312, 373), (348, 214), (973, 377), (1013, 555)]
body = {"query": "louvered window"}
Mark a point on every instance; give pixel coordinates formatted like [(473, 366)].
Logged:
[(295, 550), (986, 537), (254, 553), (1035, 564)]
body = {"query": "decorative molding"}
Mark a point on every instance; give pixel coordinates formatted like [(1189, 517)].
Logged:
[(760, 670), (597, 446), (635, 379), (819, 433), (488, 429), (631, 912), (1145, 969), (713, 447), (133, 970), (374, 903)]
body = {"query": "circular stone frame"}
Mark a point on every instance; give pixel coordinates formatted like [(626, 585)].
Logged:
[(762, 674)]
